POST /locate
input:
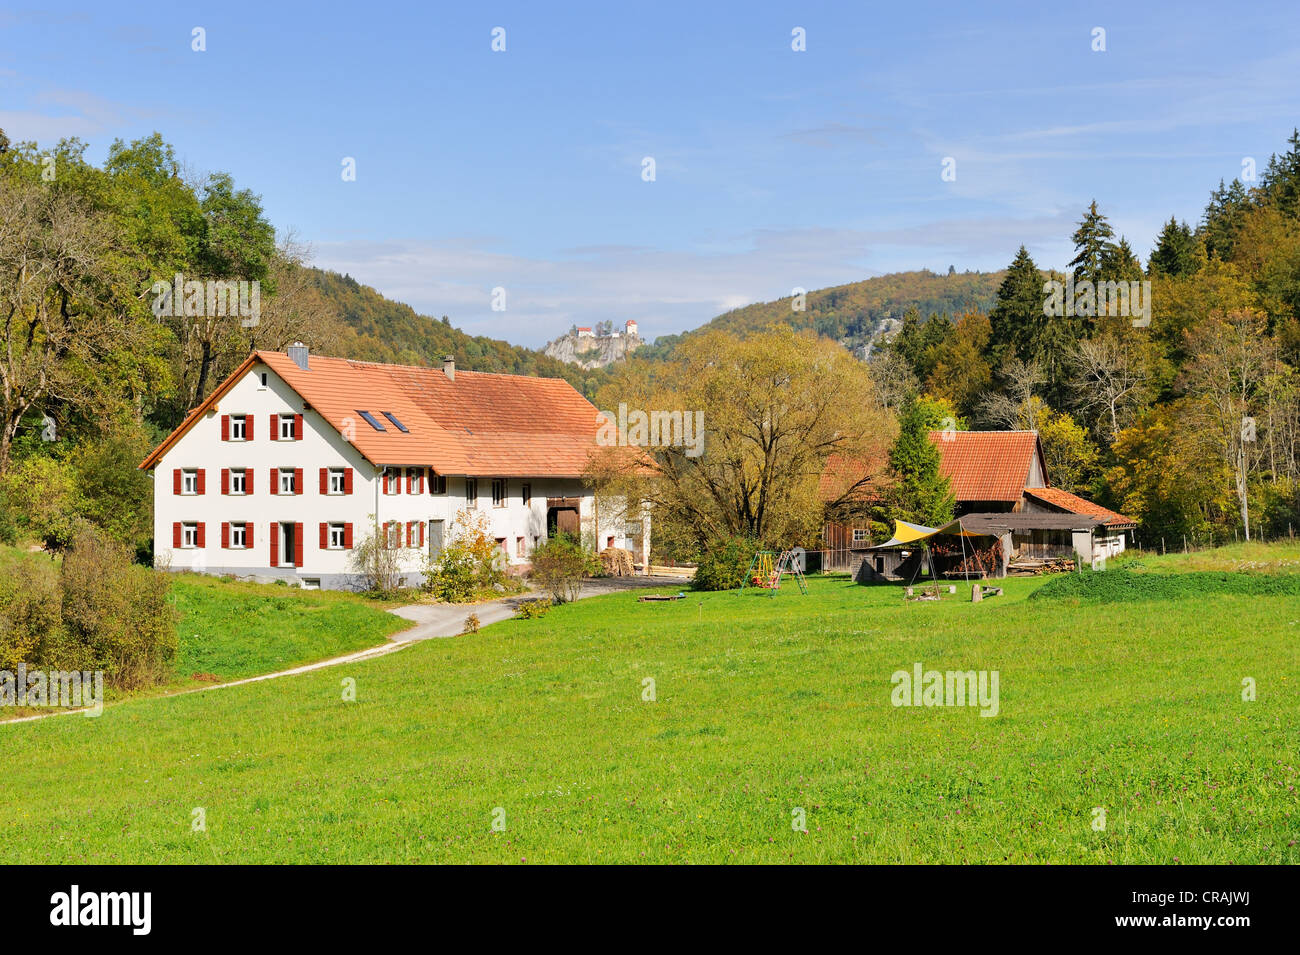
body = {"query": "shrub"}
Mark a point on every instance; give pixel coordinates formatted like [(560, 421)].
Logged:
[(471, 624), (724, 564), (30, 613), (116, 616), (43, 499), (376, 565), (560, 565), (469, 565), (532, 609)]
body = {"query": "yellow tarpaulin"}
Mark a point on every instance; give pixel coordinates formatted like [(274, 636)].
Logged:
[(906, 533)]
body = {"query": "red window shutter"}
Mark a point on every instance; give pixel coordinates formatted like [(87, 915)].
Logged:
[(275, 480), (298, 487), (324, 480), (202, 482), (297, 545), (324, 535), (347, 536), (225, 427), (248, 427), (225, 535), (409, 530), (248, 531), (347, 481), (225, 480), (385, 481), (420, 478), (275, 427), (410, 481), (176, 480), (275, 545), (421, 533), (176, 533), (297, 427), (248, 481), (200, 540)]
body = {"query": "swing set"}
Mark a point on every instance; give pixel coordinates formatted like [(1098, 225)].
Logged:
[(767, 567)]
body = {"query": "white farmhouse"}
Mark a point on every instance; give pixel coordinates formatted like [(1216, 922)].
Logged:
[(295, 457)]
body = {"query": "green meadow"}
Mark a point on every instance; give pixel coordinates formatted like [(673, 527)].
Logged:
[(537, 740)]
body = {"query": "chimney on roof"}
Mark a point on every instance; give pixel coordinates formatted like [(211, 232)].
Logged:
[(449, 367), (297, 353)]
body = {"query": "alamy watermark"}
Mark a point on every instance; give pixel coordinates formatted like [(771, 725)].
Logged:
[(70, 689), (923, 687), (209, 298), (652, 429), (1096, 299)]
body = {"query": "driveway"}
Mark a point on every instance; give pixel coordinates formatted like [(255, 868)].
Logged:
[(448, 620)]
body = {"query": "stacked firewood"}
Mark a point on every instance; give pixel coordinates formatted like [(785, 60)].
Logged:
[(616, 562), (1033, 566)]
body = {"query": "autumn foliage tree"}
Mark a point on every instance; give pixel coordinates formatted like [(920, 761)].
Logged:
[(775, 407)]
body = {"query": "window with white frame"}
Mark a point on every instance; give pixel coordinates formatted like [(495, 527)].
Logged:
[(392, 480), (471, 493), (286, 427), (286, 481), (338, 481), (238, 535), (238, 427), (189, 535), (393, 534), (190, 482), (337, 537), (499, 492), (239, 482), (860, 535)]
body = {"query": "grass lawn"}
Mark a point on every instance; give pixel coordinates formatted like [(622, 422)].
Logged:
[(229, 630), (763, 706), (232, 630)]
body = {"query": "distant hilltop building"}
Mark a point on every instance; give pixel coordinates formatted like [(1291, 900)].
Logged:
[(596, 347)]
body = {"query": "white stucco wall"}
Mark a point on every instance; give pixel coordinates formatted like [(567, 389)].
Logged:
[(321, 446)]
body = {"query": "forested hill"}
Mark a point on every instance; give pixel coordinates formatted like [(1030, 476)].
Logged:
[(853, 313), (389, 331)]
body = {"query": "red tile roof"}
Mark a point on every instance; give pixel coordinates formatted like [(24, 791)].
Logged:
[(1077, 505), (987, 465), (478, 424), (841, 473)]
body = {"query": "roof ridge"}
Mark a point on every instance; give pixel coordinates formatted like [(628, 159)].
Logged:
[(430, 368)]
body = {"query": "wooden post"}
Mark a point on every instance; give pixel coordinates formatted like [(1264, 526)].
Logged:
[(976, 593)]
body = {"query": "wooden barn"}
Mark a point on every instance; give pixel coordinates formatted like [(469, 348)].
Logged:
[(1003, 497)]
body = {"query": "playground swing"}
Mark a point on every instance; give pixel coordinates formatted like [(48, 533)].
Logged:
[(766, 568)]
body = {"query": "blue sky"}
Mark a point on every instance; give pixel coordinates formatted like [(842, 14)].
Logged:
[(774, 168)]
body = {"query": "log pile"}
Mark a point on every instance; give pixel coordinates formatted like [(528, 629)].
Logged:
[(616, 562), (1034, 566)]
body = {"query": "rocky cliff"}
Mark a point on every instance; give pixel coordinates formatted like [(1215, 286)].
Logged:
[(590, 352)]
